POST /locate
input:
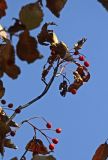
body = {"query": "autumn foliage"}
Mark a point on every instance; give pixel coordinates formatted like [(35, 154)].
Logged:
[(61, 58)]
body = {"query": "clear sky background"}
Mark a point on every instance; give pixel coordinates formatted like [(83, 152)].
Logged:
[(83, 117)]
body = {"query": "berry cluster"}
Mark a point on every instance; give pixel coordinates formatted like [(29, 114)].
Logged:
[(9, 106), (35, 145), (60, 53), (54, 140)]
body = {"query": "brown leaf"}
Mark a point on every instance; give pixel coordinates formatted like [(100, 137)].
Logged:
[(101, 152), (31, 15), (2, 146), (55, 6), (16, 27), (37, 157), (60, 49), (37, 147), (3, 7), (9, 144), (27, 48), (4, 129), (104, 3), (2, 89), (6, 143), (12, 71), (7, 61), (47, 35), (4, 118)]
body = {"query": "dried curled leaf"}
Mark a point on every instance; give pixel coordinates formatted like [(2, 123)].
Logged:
[(36, 146), (47, 35), (4, 129), (3, 7), (60, 49), (55, 6), (31, 15), (81, 75), (6, 143), (101, 152), (104, 3), (7, 61), (27, 48), (79, 44), (4, 118), (37, 157), (2, 89), (16, 27), (9, 144)]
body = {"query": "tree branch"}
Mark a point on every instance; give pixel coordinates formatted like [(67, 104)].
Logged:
[(38, 97)]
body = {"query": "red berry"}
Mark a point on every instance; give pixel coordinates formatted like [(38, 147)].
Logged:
[(3, 101), (10, 105), (76, 53), (55, 140), (86, 63), (73, 91), (51, 146), (81, 58), (58, 130), (48, 125), (17, 110), (12, 133)]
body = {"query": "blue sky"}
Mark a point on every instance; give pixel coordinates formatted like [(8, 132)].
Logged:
[(82, 117)]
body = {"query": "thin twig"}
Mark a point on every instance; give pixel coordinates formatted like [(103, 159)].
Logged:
[(39, 131), (38, 97), (23, 155)]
